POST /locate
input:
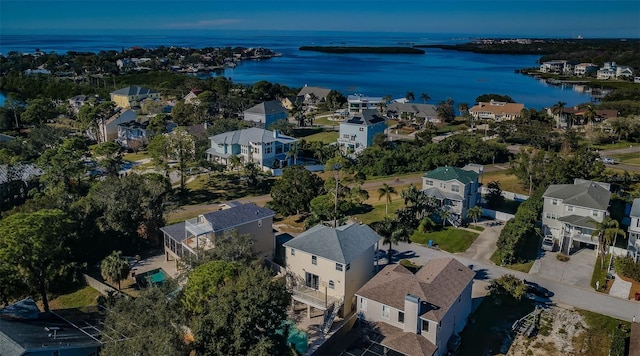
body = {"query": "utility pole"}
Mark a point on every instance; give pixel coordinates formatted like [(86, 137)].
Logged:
[(335, 204)]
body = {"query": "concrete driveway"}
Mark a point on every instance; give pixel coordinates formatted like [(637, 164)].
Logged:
[(577, 271)]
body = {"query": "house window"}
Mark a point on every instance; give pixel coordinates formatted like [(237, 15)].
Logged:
[(314, 260), (594, 213), (363, 304), (385, 312), (346, 136), (362, 129), (331, 285), (425, 325), (569, 208), (293, 252), (455, 188), (338, 267), (443, 185), (348, 266), (428, 182), (401, 317), (554, 201)]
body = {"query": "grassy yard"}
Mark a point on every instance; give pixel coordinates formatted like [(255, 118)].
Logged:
[(217, 187), (79, 298), (132, 157), (614, 146), (325, 137), (628, 158), (596, 339), (490, 327), (376, 211), (325, 122), (449, 239), (531, 248), (508, 181), (600, 274)]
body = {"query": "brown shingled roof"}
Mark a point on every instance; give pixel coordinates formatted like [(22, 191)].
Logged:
[(405, 342), (439, 283)]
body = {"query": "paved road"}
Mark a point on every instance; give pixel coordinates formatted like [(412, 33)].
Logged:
[(583, 298)]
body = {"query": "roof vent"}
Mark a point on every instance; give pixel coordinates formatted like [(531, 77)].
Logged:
[(53, 331)]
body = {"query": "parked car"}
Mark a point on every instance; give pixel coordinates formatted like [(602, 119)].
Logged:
[(535, 291), (548, 243), (608, 160)]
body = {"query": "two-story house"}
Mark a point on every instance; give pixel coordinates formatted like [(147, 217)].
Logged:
[(358, 102), (571, 211), (559, 66), (456, 190), (132, 96), (584, 69), (313, 95), (133, 134), (358, 131), (418, 313), (198, 235), (268, 149), (496, 110), (265, 114), (633, 247), (108, 129), (326, 266)]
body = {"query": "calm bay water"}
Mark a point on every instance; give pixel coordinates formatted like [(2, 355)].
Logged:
[(441, 74)]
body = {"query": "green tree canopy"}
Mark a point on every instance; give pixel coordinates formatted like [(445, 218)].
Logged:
[(293, 192), (39, 246), (115, 268), (39, 111)]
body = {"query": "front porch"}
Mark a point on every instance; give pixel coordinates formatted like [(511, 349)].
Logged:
[(577, 230)]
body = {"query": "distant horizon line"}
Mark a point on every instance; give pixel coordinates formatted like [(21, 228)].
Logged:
[(196, 32)]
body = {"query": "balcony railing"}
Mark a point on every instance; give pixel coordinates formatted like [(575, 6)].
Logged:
[(312, 297), (584, 238)]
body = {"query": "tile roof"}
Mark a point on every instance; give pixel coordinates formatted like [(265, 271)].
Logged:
[(584, 194), (438, 283), (342, 244), (450, 173), (253, 134), (237, 215), (367, 117), (405, 342), (635, 208), (134, 90), (498, 108), (267, 108)]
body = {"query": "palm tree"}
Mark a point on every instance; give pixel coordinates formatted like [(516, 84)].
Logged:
[(392, 233), (387, 98), (590, 115), (558, 109), (444, 214), (381, 106), (293, 152), (475, 213), (386, 191), (236, 162), (115, 268), (603, 237), (463, 108), (425, 97), (410, 96)]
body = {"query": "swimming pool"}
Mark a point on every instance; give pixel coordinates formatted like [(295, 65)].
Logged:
[(154, 277), (297, 337)]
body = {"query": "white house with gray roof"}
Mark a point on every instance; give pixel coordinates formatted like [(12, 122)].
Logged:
[(571, 211), (358, 131), (633, 247), (358, 102), (198, 235), (265, 114), (417, 314), (413, 111), (326, 266), (267, 149)]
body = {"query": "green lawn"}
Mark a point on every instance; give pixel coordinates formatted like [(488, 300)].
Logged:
[(324, 137), (530, 248), (132, 157), (449, 239), (597, 338), (325, 121), (79, 298), (614, 146), (219, 187), (377, 213), (628, 158), (508, 181), (600, 274)]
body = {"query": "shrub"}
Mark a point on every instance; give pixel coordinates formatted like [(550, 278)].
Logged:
[(562, 257), (625, 266)]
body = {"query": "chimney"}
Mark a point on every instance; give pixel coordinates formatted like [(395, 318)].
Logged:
[(411, 313), (275, 133)]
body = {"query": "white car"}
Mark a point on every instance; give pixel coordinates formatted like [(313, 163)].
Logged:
[(548, 243), (608, 160)]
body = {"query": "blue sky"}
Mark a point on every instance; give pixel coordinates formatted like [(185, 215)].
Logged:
[(559, 18)]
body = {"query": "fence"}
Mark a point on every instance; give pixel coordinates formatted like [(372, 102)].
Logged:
[(507, 195), (320, 347), (497, 215), (618, 251), (99, 286)]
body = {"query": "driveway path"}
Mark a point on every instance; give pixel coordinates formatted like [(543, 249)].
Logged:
[(577, 271), (583, 298), (484, 246)]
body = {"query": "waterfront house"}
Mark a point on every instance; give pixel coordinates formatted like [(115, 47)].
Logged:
[(198, 235), (326, 266), (412, 111), (132, 96), (455, 189), (608, 71), (358, 103), (496, 110), (570, 117), (314, 95), (556, 67), (417, 314), (265, 114), (358, 131), (633, 247), (571, 211), (267, 149), (584, 69)]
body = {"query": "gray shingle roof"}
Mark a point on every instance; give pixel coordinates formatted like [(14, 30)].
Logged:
[(581, 221), (585, 194), (134, 90), (23, 172), (439, 283), (441, 194), (253, 134), (635, 208), (176, 231), (420, 110), (227, 218), (342, 244), (320, 93), (267, 108), (367, 117)]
